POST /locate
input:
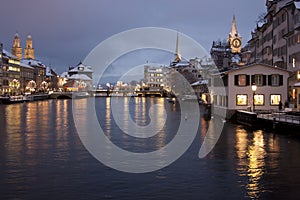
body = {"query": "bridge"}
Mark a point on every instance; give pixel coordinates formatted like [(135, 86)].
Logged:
[(124, 93)]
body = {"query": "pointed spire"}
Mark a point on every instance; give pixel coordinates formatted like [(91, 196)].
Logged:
[(178, 56), (233, 32)]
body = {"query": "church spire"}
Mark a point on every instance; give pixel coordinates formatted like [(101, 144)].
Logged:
[(233, 32), (178, 56), (234, 38), (16, 49)]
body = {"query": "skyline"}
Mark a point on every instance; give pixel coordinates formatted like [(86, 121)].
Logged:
[(64, 32)]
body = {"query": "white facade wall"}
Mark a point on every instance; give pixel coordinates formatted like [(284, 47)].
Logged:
[(218, 94)]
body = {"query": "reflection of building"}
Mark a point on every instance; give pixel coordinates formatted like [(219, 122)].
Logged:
[(78, 78), (271, 87)]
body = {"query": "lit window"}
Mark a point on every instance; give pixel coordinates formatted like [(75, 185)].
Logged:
[(259, 99), (294, 62), (242, 80), (275, 99), (241, 100)]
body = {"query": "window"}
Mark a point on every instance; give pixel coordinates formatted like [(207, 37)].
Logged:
[(259, 99), (241, 80), (275, 99), (259, 79), (275, 80), (241, 100)]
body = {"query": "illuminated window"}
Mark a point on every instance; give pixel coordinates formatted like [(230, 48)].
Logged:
[(259, 99), (294, 62), (15, 69), (275, 99), (242, 80), (294, 94), (241, 100), (151, 75)]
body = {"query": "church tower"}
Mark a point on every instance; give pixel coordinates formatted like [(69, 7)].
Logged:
[(234, 38), (29, 50), (16, 49), (177, 54)]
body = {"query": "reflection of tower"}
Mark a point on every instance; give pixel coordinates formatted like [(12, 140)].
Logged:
[(29, 50), (177, 54), (16, 49), (234, 38)]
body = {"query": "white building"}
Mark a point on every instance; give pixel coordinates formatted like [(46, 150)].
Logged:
[(155, 78), (78, 78), (235, 92)]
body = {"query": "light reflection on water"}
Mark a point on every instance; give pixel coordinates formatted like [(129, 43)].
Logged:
[(251, 163), (41, 154)]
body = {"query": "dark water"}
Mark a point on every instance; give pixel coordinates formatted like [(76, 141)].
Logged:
[(42, 157)]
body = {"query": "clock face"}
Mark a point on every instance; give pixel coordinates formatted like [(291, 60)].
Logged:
[(236, 43)]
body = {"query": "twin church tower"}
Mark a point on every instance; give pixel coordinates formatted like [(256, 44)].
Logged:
[(16, 49)]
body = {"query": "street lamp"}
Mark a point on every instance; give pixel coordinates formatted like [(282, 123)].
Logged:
[(254, 88)]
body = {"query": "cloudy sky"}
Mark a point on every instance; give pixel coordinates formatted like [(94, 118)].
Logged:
[(65, 31)]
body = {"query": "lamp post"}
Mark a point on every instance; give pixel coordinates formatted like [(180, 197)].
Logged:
[(254, 88)]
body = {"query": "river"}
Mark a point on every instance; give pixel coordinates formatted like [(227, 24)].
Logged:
[(43, 157)]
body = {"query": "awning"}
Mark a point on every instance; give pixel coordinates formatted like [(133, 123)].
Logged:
[(297, 84)]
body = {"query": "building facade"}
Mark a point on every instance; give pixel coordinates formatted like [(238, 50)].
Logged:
[(276, 41), (155, 78), (23, 75), (235, 92)]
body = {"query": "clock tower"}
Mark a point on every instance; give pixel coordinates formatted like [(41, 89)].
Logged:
[(234, 38)]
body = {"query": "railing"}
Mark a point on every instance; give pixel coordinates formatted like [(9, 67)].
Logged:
[(280, 117)]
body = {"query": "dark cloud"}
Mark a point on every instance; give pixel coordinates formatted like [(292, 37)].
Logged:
[(64, 31)]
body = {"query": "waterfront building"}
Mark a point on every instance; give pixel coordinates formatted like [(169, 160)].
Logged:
[(275, 41), (39, 75), (271, 88), (155, 78), (27, 78), (23, 75), (78, 78), (10, 76)]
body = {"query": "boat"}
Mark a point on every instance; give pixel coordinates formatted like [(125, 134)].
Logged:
[(79, 95), (15, 99)]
